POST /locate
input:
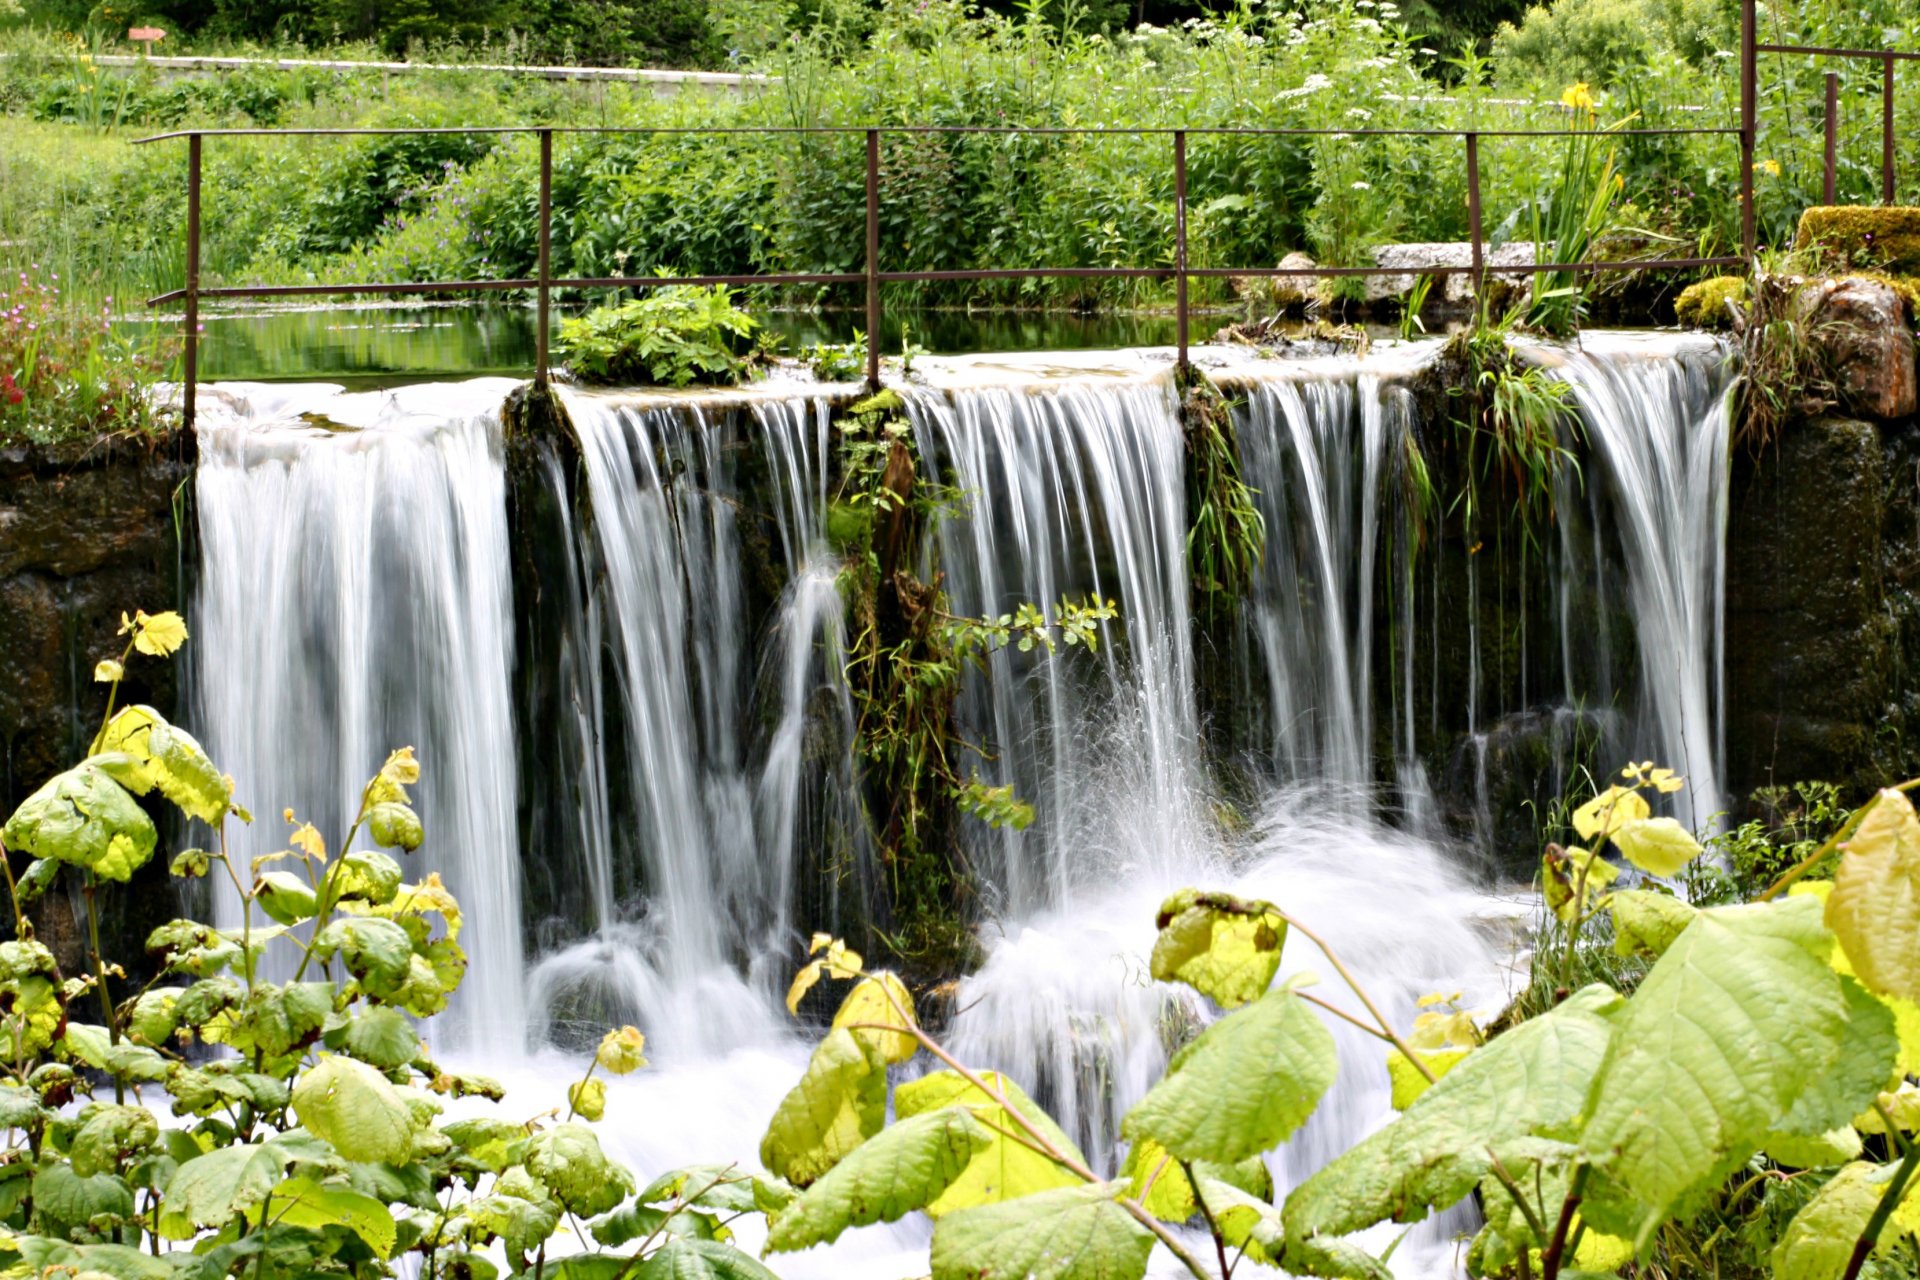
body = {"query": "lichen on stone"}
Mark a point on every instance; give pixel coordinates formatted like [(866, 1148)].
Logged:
[(1863, 236)]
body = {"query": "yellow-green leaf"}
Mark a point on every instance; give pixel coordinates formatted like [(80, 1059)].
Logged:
[(1606, 812), (902, 1168), (1010, 1167), (839, 1103), (868, 1005), (622, 1052), (588, 1098), (85, 818), (1225, 948), (1409, 1082), (1071, 1233), (1874, 908), (1658, 846), (354, 1107)]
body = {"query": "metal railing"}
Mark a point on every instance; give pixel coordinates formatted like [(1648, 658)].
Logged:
[(873, 276)]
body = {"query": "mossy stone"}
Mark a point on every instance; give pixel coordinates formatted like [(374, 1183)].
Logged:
[(1703, 304), (1882, 239)]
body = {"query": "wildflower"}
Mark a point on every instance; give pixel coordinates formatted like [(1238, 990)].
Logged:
[(1577, 96), (8, 391), (1769, 167)]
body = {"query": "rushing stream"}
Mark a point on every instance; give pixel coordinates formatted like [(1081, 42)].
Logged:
[(357, 593)]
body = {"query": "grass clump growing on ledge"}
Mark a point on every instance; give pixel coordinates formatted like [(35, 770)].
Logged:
[(66, 375), (672, 337), (1710, 304)]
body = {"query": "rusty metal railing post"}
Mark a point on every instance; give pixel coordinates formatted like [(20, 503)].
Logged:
[(1749, 113), (1180, 246), (544, 318), (190, 355), (873, 259), (1886, 129), (1830, 188), (1476, 247)]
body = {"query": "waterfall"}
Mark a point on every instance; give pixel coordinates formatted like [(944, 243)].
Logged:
[(691, 858), (693, 810), (1656, 418), (354, 598), (1073, 490)]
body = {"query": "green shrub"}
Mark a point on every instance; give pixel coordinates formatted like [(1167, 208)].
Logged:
[(1705, 303), (671, 337)]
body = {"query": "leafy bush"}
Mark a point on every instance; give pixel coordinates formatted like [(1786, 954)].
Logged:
[(310, 1142), (670, 337), (65, 374)]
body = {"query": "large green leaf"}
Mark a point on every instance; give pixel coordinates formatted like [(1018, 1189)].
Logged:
[(49, 1257), (1010, 1167), (285, 896), (839, 1103), (379, 952), (302, 1202), (144, 752), (209, 1190), (1533, 1079), (84, 817), (1244, 1084), (63, 1199), (382, 1036), (568, 1159), (354, 1107), (1875, 906), (1069, 1233), (902, 1168), (278, 1019), (684, 1259), (1221, 946), (520, 1222), (110, 1136), (94, 1046), (1721, 1039)]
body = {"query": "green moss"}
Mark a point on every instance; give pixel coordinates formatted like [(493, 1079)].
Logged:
[(880, 402), (1882, 239), (1703, 304)]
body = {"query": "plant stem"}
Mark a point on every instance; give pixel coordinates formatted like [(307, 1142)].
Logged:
[(1550, 1258), (1519, 1198), (1353, 984), (13, 894), (100, 982), (1213, 1228), (1889, 1201)]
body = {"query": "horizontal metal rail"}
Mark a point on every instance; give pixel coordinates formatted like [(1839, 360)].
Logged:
[(1223, 131)]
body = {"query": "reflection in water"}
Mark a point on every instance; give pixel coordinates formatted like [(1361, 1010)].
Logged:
[(449, 339)]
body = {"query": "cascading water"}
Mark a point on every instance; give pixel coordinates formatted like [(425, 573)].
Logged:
[(356, 592), (1656, 417), (354, 598)]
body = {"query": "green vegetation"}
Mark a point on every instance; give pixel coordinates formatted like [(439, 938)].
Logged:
[(667, 337), (66, 375), (903, 669), (107, 217), (311, 1142), (1226, 534), (1513, 424), (1743, 1067)]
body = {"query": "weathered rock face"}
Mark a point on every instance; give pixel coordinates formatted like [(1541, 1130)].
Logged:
[(1810, 644), (86, 532), (1862, 327)]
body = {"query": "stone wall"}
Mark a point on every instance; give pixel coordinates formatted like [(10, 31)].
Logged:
[(1823, 566), (86, 532)]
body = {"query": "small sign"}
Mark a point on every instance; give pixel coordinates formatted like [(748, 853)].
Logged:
[(146, 35)]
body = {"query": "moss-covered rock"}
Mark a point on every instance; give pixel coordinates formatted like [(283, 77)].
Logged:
[(1709, 304), (1863, 236)]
